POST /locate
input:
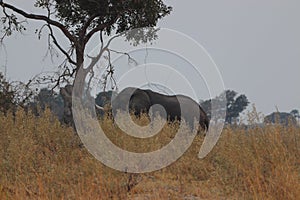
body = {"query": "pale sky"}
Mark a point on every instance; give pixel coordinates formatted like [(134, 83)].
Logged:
[(255, 44)]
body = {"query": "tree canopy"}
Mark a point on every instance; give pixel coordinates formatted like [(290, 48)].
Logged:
[(234, 105), (113, 14), (282, 118), (295, 113), (7, 95), (79, 20)]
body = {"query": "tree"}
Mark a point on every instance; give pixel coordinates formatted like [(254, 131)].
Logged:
[(7, 95), (13, 95), (234, 105), (282, 118), (80, 20), (48, 98), (295, 113)]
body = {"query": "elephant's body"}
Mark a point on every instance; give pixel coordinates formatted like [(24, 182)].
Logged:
[(176, 106)]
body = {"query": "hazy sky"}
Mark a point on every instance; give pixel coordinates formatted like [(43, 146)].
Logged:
[(255, 44)]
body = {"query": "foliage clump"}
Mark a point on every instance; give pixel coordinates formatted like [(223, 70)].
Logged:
[(7, 95)]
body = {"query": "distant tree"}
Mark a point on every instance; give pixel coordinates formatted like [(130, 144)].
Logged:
[(280, 118), (13, 95), (7, 95), (80, 20), (47, 98), (234, 106), (295, 113)]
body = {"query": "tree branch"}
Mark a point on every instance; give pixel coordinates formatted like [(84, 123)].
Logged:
[(95, 59), (87, 24), (98, 28), (130, 59), (60, 47), (41, 18)]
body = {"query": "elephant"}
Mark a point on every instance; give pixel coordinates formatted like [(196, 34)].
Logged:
[(176, 106)]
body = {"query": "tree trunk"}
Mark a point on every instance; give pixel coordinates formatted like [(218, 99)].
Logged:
[(66, 92)]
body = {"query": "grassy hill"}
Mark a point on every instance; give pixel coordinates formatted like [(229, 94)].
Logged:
[(41, 159)]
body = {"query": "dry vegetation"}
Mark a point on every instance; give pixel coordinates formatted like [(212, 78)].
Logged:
[(40, 159)]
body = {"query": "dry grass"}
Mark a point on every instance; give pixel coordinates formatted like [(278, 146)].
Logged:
[(40, 159)]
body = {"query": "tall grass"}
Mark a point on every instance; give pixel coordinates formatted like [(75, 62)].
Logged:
[(41, 159)]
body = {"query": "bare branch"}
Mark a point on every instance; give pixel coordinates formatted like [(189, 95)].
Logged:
[(42, 18), (110, 40), (109, 72), (13, 24), (101, 39), (130, 59), (94, 60), (100, 27), (87, 24), (60, 47)]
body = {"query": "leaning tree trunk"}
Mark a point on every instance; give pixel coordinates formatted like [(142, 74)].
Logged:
[(80, 85), (66, 92)]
